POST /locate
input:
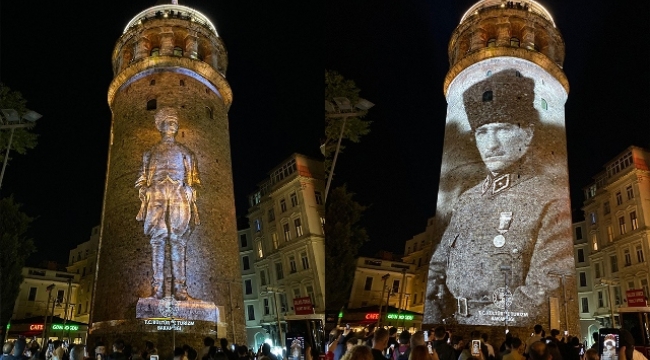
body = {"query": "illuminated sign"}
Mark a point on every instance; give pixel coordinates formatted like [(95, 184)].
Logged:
[(401, 316), (64, 327), (372, 316), (35, 327), (303, 306), (166, 325), (635, 297), (503, 206)]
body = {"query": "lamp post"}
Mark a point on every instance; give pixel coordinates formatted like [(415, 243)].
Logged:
[(343, 109), (381, 299), (274, 291), (609, 284), (10, 119), (49, 296)]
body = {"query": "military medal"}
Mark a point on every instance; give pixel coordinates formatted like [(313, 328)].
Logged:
[(504, 225)]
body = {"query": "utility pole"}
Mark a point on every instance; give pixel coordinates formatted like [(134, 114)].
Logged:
[(47, 305), (381, 298)]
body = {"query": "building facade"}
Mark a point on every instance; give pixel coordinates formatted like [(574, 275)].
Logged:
[(83, 261), (586, 303), (417, 251), (286, 219), (503, 200), (617, 214), (168, 263), (255, 334)]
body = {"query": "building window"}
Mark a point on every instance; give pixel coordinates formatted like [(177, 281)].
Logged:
[(182, 83), (298, 226), (628, 257), (614, 263), (606, 208), (287, 232), (619, 198), (585, 305), (296, 293), (79, 309), (32, 294), (621, 224), (292, 264), (395, 286), (644, 286), (634, 221), (178, 51), (617, 295), (488, 73), (283, 302), (243, 240), (592, 216), (630, 285), (152, 104), (247, 263), (514, 42), (594, 241), (601, 300), (251, 312), (319, 197), (487, 96), (267, 308), (274, 236), (581, 255), (155, 51), (209, 112), (248, 285), (258, 225), (368, 285), (322, 223), (305, 260), (610, 233), (271, 215), (492, 42), (283, 205), (60, 295), (597, 271), (152, 82), (260, 253), (263, 278), (279, 272), (630, 192), (639, 254), (578, 233), (310, 292), (294, 199), (583, 279), (544, 104)]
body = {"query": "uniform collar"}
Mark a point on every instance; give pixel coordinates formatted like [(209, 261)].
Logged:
[(517, 173)]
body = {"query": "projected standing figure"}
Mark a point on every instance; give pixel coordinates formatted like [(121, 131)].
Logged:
[(510, 226), (166, 187)]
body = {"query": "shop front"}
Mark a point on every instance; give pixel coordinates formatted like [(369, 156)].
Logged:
[(52, 328)]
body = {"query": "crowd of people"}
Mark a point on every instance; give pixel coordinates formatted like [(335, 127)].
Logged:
[(440, 344), (24, 349)]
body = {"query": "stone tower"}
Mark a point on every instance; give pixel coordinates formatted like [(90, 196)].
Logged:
[(168, 264), (504, 256)]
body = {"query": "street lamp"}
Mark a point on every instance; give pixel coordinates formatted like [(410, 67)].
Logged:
[(609, 284), (342, 109), (381, 298), (10, 119), (274, 290)]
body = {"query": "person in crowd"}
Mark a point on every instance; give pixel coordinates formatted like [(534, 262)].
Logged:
[(417, 339), (361, 352), (207, 343), (118, 351), (379, 343), (403, 351), (6, 351), (490, 348), (440, 345), (516, 350), (421, 352)]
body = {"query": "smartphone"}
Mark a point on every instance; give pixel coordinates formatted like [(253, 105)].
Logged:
[(566, 332), (430, 348), (476, 348), (426, 335), (608, 343), (153, 357)]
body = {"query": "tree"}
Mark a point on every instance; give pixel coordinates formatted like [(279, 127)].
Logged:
[(15, 247), (344, 236), (355, 127), (23, 139)]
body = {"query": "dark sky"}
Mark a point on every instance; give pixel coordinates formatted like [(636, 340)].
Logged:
[(396, 51), (58, 54)]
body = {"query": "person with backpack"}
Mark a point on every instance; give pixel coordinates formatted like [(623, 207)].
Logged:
[(403, 351)]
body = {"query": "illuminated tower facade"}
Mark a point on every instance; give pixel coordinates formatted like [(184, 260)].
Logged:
[(503, 256), (168, 264)]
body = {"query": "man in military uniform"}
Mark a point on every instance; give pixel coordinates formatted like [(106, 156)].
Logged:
[(509, 233), (166, 185)]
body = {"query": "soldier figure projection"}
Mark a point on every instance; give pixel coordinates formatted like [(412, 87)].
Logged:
[(508, 233), (166, 185)]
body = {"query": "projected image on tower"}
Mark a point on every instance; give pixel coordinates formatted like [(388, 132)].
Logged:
[(503, 199)]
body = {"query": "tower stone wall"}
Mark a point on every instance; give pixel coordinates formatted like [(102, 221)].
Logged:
[(169, 58), (504, 251)]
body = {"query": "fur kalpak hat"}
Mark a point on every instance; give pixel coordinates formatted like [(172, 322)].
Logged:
[(503, 97)]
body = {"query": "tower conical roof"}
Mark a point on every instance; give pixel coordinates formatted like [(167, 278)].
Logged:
[(530, 5)]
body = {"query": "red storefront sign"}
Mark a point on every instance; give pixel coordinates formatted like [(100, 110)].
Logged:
[(635, 298), (303, 306), (372, 316)]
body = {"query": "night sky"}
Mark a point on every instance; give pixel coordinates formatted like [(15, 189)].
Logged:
[(58, 54), (396, 51)]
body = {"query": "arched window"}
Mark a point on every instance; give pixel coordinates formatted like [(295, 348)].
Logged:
[(182, 82), (544, 104), (155, 51), (487, 96), (152, 82), (152, 104), (210, 112), (492, 42), (514, 42), (488, 73), (178, 51)]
